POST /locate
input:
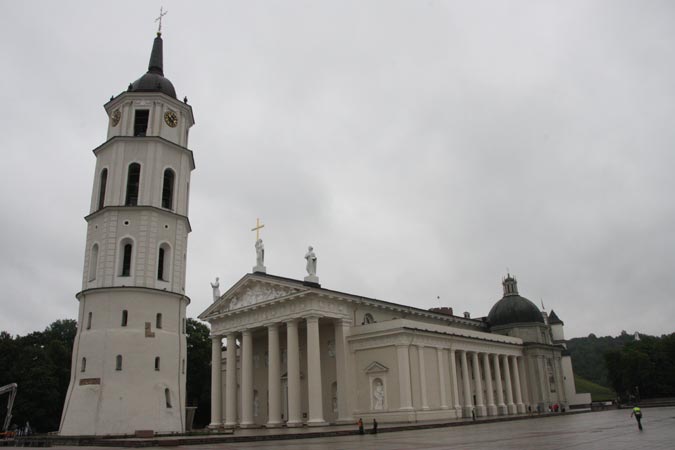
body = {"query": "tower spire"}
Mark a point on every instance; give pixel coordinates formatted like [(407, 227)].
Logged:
[(156, 64)]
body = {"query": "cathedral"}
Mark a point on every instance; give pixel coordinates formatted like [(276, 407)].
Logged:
[(296, 354)]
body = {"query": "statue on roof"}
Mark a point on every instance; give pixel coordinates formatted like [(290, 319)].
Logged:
[(216, 289), (310, 256)]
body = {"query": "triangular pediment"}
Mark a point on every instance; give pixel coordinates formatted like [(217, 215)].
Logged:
[(376, 367), (249, 291)]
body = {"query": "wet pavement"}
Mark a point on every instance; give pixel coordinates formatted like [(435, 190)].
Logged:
[(613, 429)]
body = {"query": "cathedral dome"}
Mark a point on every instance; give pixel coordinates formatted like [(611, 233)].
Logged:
[(513, 308), (154, 80)]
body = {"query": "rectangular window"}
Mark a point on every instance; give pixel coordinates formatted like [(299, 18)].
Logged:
[(141, 122)]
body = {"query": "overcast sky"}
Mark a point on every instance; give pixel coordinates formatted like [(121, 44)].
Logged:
[(422, 148)]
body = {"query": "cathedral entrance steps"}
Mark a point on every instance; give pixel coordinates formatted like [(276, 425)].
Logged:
[(270, 434)]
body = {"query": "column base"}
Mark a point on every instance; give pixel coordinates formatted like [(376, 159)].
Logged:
[(502, 410), (248, 425), (296, 424), (317, 423), (345, 421), (512, 408), (215, 426), (466, 411), (481, 411), (230, 425), (520, 407), (274, 425), (492, 410)]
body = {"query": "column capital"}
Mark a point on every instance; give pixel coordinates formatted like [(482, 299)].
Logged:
[(312, 318), (271, 325), (292, 322), (246, 332)]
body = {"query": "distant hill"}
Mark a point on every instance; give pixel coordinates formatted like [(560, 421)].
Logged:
[(588, 355)]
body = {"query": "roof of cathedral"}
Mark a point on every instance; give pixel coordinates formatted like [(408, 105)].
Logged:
[(154, 80), (513, 308), (554, 319)]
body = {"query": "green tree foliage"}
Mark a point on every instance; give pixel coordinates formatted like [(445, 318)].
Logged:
[(199, 371), (40, 364), (644, 368), (588, 355)]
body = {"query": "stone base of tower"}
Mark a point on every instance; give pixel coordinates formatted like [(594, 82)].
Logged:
[(127, 376)]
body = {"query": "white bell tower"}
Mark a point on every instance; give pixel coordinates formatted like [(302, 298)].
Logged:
[(129, 356)]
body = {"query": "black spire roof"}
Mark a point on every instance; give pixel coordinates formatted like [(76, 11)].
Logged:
[(554, 319), (154, 80)]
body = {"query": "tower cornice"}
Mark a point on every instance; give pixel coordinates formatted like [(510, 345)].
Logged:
[(138, 208), (132, 288), (146, 138)]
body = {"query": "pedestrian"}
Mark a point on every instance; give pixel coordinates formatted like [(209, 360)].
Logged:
[(360, 424), (529, 409), (374, 426), (637, 412), (473, 413)]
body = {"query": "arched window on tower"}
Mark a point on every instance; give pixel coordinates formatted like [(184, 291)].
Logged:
[(102, 186), (133, 183), (93, 262), (164, 262), (125, 317), (118, 362), (157, 363), (127, 250), (167, 189), (83, 366), (167, 397), (158, 320), (89, 316)]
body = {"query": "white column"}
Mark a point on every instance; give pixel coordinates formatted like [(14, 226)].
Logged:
[(314, 391), (246, 379), (423, 376), (454, 382), (520, 407), (491, 407), (441, 377), (342, 369), (274, 376), (405, 393), (523, 383), (508, 385), (480, 404), (501, 407), (293, 356), (468, 400), (231, 382), (216, 382)]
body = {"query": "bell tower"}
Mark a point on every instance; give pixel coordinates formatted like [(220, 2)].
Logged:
[(129, 356)]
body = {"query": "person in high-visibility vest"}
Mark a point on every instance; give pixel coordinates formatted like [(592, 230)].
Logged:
[(637, 412)]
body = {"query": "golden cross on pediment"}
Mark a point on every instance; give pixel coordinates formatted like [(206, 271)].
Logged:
[(257, 228)]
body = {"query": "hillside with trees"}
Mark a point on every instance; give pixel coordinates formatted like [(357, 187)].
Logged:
[(643, 368)]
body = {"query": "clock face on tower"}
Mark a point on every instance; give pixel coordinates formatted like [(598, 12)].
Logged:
[(115, 117), (171, 118)]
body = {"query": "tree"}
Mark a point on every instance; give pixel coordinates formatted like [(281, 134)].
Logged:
[(40, 364), (199, 371)]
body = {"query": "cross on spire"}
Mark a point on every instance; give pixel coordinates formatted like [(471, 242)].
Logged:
[(257, 228), (162, 13)]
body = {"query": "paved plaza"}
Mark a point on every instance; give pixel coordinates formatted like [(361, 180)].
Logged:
[(613, 429)]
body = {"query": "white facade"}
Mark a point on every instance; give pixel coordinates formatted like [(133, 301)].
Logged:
[(129, 357), (299, 354)]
